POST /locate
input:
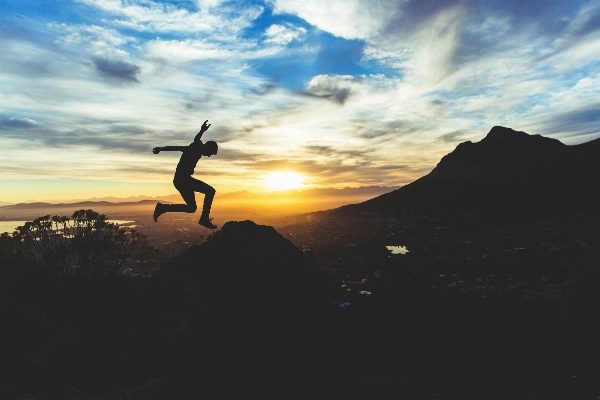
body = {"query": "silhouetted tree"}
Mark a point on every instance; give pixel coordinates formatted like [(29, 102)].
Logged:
[(85, 244)]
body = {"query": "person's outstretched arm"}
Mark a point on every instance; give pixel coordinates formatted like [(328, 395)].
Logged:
[(203, 129), (157, 150)]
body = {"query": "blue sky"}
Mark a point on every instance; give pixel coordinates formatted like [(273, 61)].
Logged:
[(345, 92)]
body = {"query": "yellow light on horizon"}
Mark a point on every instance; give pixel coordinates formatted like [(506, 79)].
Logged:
[(284, 180)]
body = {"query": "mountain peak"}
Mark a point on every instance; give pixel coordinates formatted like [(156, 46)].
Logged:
[(247, 230), (502, 133), (499, 136)]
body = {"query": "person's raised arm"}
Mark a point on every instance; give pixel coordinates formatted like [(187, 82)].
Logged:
[(157, 150), (203, 129)]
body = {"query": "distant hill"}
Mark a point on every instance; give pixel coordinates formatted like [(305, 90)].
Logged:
[(363, 192), (74, 206), (358, 192), (507, 173), (289, 201), (27, 211)]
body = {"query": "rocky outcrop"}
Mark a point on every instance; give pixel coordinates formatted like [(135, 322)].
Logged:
[(249, 310), (244, 265)]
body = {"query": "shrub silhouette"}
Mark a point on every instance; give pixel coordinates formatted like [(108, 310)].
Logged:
[(84, 245)]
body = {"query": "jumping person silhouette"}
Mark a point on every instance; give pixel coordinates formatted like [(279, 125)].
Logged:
[(185, 184)]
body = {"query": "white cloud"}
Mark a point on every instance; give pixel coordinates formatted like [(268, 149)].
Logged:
[(284, 34), (578, 54), (97, 40), (78, 34), (430, 49), (147, 15), (178, 51), (350, 19)]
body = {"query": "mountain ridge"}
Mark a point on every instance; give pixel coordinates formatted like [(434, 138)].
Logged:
[(133, 200), (508, 172)]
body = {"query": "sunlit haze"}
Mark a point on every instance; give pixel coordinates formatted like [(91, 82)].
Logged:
[(345, 93), (283, 180)]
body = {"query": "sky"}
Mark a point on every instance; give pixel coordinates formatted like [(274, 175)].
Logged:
[(344, 93)]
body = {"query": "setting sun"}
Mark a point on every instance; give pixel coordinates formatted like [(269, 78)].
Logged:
[(284, 180)]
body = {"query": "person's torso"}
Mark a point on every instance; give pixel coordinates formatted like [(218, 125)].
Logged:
[(189, 159)]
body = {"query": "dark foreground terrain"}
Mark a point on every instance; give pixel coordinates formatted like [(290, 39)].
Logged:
[(496, 298), (248, 315)]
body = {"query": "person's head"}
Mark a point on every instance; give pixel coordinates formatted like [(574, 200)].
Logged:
[(210, 148)]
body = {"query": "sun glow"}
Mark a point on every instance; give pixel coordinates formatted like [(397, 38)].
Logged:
[(284, 180)]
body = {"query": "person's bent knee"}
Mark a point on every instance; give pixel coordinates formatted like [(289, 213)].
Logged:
[(191, 208), (210, 191)]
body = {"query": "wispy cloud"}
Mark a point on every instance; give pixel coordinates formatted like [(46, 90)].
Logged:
[(284, 34), (209, 17), (20, 123)]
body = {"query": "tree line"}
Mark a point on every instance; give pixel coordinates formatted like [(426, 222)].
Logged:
[(86, 244)]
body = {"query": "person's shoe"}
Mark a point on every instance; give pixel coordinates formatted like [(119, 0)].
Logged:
[(205, 222), (158, 211)]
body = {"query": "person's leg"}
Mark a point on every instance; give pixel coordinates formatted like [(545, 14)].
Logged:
[(209, 195), (185, 189)]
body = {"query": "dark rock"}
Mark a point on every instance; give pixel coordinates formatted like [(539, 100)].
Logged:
[(154, 389), (245, 265), (34, 397), (254, 303)]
